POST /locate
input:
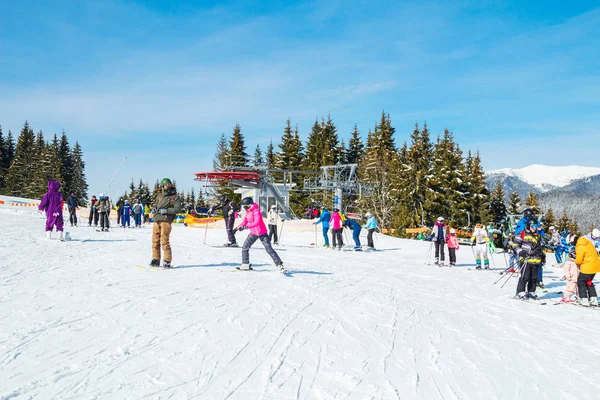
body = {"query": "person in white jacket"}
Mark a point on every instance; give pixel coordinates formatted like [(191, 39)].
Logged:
[(480, 240), (272, 219)]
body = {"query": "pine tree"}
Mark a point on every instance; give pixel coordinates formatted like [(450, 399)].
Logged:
[(271, 158), (514, 203), (533, 203), (563, 222), (200, 202), (79, 184), (22, 168), (355, 147), (2, 156), (573, 227), (193, 197), (329, 142), (10, 147), (479, 194), (143, 193), (292, 151), (155, 193), (341, 153), (66, 167), (220, 160), (549, 218), (314, 148), (258, 157), (132, 195), (38, 185), (237, 148), (497, 206)]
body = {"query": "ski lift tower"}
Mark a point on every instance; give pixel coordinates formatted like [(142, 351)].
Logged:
[(340, 179)]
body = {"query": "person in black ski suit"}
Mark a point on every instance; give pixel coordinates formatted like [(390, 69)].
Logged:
[(93, 211), (528, 245), (72, 206), (229, 210)]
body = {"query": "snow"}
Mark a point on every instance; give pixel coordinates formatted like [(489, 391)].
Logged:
[(80, 320), (545, 177)]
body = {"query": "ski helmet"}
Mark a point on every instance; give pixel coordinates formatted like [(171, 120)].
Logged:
[(223, 199), (336, 210), (273, 207), (551, 228), (368, 215), (440, 219), (165, 181), (452, 231), (247, 201), (596, 233), (528, 213), (126, 201)]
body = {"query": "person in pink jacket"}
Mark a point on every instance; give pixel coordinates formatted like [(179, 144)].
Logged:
[(571, 274), (253, 220), (452, 242), (335, 222)]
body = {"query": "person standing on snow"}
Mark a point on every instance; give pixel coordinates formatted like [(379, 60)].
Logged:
[(453, 246), (166, 209), (335, 222), (125, 214), (325, 218), (229, 211), (370, 226), (138, 210), (93, 211), (253, 220), (439, 239), (52, 204), (103, 207), (118, 209), (589, 265), (480, 240), (272, 218), (356, 228), (594, 237), (571, 274), (146, 213), (531, 254), (72, 205)]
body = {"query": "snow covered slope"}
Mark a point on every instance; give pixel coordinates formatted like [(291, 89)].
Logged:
[(544, 177), (80, 320)]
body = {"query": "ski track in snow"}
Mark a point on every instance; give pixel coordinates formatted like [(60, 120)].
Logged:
[(80, 320)]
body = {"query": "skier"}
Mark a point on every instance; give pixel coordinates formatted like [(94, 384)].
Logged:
[(103, 206), (594, 237), (453, 246), (521, 225), (480, 240), (253, 220), (272, 219), (118, 207), (325, 218), (146, 213), (93, 211), (52, 204), (72, 207), (589, 265), (513, 260), (125, 212), (371, 225), (571, 276), (229, 211), (439, 238), (138, 209), (554, 240), (335, 222), (166, 208), (356, 228), (529, 248)]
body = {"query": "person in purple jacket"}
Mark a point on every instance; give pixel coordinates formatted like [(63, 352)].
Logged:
[(52, 204)]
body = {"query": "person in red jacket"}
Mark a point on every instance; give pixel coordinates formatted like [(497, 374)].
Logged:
[(253, 220)]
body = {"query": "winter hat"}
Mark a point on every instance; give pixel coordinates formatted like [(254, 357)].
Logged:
[(441, 219), (368, 215), (596, 233), (273, 207), (551, 228), (452, 231)]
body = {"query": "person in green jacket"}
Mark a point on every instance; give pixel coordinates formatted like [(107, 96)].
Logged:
[(166, 208)]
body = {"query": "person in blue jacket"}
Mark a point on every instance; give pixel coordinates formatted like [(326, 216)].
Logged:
[(356, 228), (125, 212), (371, 225), (325, 217)]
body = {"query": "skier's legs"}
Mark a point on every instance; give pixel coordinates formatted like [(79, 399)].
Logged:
[(165, 232), (128, 220), (592, 288), (265, 241), (91, 218), (334, 237), (275, 233), (532, 283), (370, 238), (452, 255), (523, 278), (437, 250), (246, 248), (96, 217), (340, 238), (325, 235), (229, 222), (356, 237), (484, 254), (59, 223), (586, 290), (155, 240)]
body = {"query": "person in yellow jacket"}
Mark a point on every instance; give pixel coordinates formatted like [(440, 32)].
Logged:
[(589, 265), (480, 240)]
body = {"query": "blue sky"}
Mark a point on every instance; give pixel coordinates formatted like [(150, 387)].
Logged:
[(159, 81)]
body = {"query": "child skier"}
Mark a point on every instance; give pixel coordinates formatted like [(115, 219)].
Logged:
[(166, 208), (356, 228), (272, 219), (125, 214), (371, 225), (325, 218), (72, 205), (438, 239), (453, 246), (103, 207), (52, 204), (336, 229), (571, 276), (253, 220), (480, 240), (589, 265)]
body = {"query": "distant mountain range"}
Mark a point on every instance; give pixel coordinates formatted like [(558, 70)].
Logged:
[(573, 189)]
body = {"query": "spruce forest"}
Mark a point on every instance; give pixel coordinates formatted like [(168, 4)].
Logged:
[(27, 165)]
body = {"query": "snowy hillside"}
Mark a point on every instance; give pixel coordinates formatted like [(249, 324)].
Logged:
[(544, 177), (81, 320)]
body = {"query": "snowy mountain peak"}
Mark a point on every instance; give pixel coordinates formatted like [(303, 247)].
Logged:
[(545, 177)]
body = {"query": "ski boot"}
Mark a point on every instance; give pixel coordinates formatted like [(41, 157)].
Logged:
[(357, 248), (478, 267), (48, 234), (531, 296), (541, 285), (340, 248), (326, 246), (582, 302), (593, 302), (522, 296), (282, 269), (245, 267), (154, 263), (166, 264)]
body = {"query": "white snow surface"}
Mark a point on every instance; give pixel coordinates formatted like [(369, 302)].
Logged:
[(80, 320), (541, 176)]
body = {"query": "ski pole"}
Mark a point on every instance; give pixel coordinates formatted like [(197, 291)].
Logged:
[(281, 231), (316, 244), (116, 172), (510, 276), (428, 258), (205, 232)]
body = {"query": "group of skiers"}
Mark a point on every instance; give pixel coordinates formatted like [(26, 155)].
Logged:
[(527, 246), (336, 222)]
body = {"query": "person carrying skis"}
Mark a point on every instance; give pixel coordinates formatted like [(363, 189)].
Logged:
[(571, 275), (103, 207), (356, 228), (52, 204), (531, 253), (453, 246), (125, 214), (138, 210), (93, 211), (589, 265), (253, 220), (72, 207), (229, 211), (480, 240), (325, 218), (370, 226), (166, 209), (335, 222), (439, 239), (272, 218)]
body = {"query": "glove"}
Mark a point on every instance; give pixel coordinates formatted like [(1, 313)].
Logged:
[(241, 228), (162, 211), (473, 243)]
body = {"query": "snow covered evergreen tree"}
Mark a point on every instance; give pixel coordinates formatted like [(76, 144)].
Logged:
[(479, 194), (22, 169), (355, 147), (514, 203), (533, 203), (220, 159), (237, 148), (497, 207), (79, 184), (258, 157), (270, 156), (314, 148), (66, 166)]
